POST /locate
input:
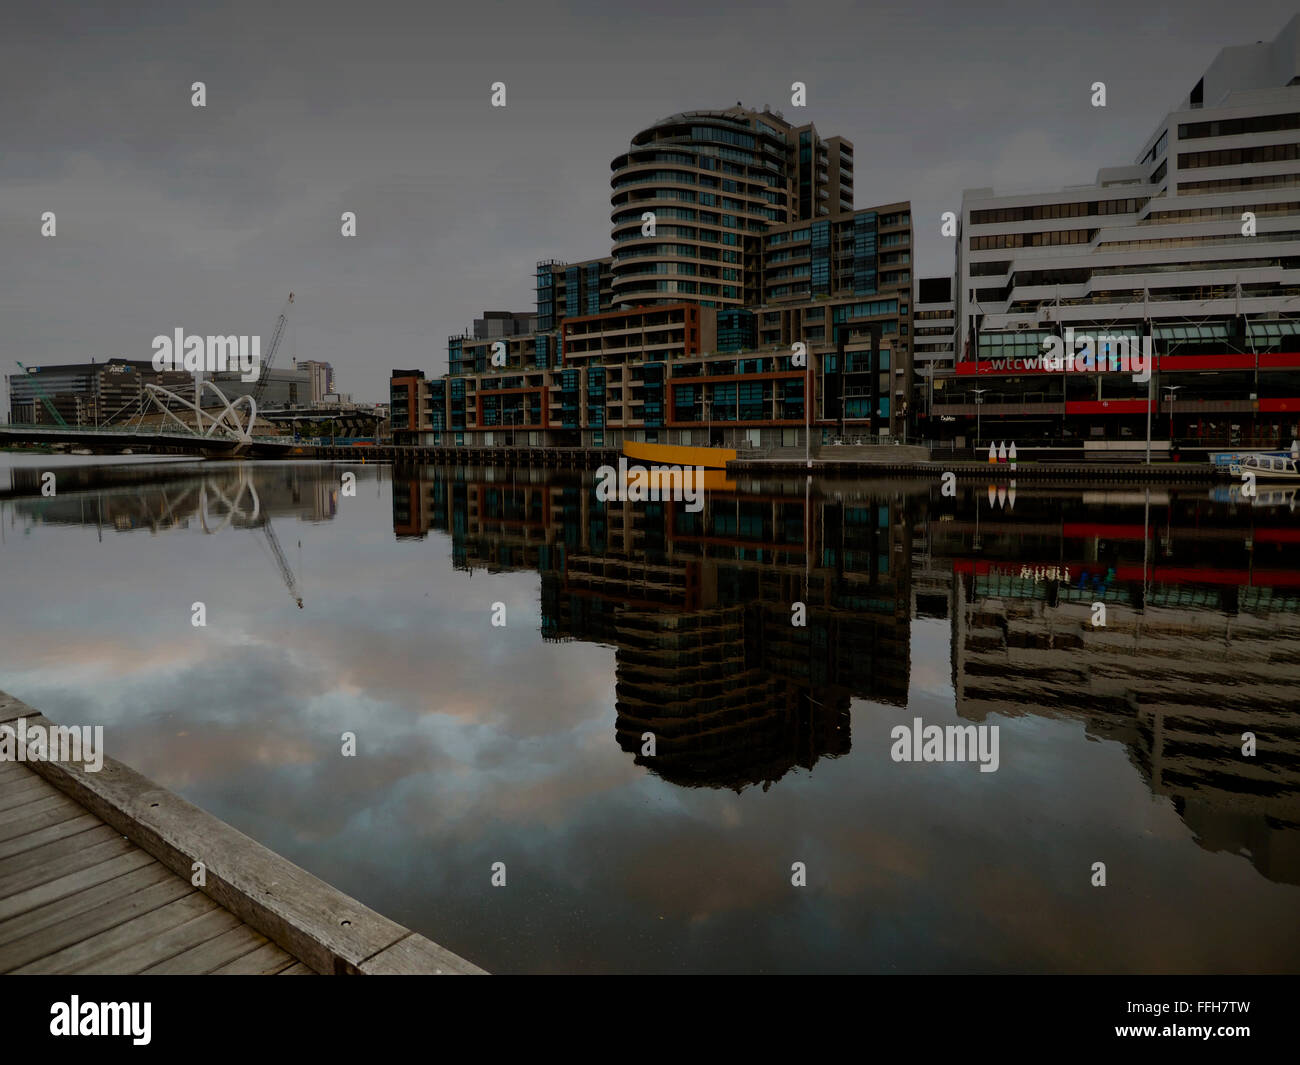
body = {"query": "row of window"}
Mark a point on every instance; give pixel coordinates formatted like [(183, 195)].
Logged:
[(1259, 181), (1032, 240), (1216, 238), (1265, 153), (790, 237), (689, 287), (1195, 214), (869, 309), (1157, 149), (1035, 213), (725, 136), (1231, 127)]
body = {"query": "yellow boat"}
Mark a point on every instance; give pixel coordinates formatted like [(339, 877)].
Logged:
[(675, 455)]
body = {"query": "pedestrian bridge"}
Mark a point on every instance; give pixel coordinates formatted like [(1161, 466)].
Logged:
[(119, 438)]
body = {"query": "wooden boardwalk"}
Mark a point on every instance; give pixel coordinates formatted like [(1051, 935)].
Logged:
[(95, 877), (78, 897)]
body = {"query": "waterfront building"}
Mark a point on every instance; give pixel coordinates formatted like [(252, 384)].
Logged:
[(687, 333), (716, 182), (320, 380), (110, 392), (933, 323), (567, 290), (88, 393), (1196, 244)]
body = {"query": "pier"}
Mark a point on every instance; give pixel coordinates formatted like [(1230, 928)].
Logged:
[(904, 461), (97, 877)]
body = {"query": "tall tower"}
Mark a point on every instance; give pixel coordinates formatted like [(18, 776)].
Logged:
[(714, 182)]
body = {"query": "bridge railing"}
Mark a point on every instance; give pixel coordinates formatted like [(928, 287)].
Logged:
[(42, 429), (45, 427)]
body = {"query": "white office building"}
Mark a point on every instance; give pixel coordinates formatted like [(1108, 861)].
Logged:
[(1197, 244)]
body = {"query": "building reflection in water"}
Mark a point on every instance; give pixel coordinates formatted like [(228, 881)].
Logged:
[(208, 496), (1202, 601), (1202, 622), (161, 498), (699, 609), (1201, 591)]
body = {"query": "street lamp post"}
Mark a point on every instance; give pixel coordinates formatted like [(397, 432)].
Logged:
[(979, 403), (807, 410), (1171, 389), (1151, 383)]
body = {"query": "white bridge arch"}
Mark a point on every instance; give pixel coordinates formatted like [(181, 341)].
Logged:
[(225, 425)]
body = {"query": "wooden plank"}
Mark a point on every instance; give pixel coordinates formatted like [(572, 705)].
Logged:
[(15, 772), (220, 950), (12, 709), (416, 955), (33, 807), (156, 948), (55, 935), (24, 791), (43, 818), (122, 937), (63, 829), (67, 885), (59, 848), (266, 960), (11, 769), (298, 969), (68, 908), (38, 871)]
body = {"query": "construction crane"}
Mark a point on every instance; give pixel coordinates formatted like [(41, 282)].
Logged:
[(286, 574), (271, 349), (31, 379)]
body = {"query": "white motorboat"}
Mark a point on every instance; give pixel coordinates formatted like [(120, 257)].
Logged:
[(1267, 467)]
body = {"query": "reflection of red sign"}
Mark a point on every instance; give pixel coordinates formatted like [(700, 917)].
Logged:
[(1157, 574)]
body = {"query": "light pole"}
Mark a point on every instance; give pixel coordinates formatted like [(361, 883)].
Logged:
[(1151, 386), (979, 403), (807, 410), (1171, 389)]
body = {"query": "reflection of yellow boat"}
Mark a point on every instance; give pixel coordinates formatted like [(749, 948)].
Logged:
[(674, 455), (664, 480)]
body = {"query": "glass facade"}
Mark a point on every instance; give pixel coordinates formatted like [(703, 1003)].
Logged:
[(864, 253)]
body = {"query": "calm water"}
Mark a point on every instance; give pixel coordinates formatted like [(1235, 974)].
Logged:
[(522, 743)]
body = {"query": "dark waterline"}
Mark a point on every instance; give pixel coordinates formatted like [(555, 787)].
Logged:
[(522, 744)]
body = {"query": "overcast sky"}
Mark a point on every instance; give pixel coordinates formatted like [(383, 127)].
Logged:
[(174, 216)]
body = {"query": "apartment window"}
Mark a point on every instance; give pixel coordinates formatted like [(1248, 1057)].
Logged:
[(1265, 153), (1231, 127)]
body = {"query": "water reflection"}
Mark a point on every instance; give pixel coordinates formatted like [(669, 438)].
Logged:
[(1201, 622), (525, 744)]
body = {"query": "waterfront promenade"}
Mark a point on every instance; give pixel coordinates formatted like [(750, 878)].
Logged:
[(96, 877)]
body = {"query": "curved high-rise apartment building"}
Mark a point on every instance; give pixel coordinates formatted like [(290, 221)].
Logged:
[(715, 181)]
